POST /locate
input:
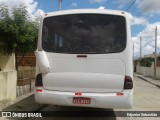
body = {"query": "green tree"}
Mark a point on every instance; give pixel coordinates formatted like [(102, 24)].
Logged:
[(17, 31), (146, 62)]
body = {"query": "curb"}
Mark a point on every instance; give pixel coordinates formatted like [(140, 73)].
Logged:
[(18, 99), (148, 81)]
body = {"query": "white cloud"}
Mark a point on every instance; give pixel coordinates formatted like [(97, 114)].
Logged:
[(101, 7), (38, 12), (31, 6), (123, 3), (148, 7), (97, 1), (148, 40), (74, 4), (138, 20)]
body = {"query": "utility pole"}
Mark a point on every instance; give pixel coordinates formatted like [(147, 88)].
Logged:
[(133, 52), (140, 47), (155, 53), (59, 4), (133, 60), (140, 53)]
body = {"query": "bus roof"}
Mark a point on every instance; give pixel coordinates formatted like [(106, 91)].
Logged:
[(78, 11)]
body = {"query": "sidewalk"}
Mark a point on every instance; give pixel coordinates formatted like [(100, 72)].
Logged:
[(155, 82)]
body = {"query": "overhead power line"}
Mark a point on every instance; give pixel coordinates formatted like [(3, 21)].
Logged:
[(153, 15), (131, 5)]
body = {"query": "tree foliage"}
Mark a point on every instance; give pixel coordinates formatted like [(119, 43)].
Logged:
[(18, 32), (146, 62)]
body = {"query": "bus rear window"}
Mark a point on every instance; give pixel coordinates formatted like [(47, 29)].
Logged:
[(84, 33)]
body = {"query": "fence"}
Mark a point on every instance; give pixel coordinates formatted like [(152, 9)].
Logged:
[(24, 86), (148, 71), (26, 80)]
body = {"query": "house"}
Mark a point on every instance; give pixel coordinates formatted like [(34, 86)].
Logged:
[(147, 70), (152, 56)]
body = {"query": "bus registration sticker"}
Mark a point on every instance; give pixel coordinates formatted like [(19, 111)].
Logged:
[(81, 100)]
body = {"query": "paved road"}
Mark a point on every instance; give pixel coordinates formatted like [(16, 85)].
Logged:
[(146, 98)]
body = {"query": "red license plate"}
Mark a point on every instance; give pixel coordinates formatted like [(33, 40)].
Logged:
[(81, 100)]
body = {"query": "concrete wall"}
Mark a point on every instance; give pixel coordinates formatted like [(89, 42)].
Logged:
[(8, 81), (158, 72), (7, 62), (148, 71), (26, 72)]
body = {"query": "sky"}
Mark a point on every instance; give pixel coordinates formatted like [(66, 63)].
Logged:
[(144, 16)]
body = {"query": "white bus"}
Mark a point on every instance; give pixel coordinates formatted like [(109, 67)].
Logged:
[(84, 58)]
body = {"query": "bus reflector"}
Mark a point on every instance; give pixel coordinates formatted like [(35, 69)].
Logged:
[(38, 90), (123, 12), (120, 94), (78, 93)]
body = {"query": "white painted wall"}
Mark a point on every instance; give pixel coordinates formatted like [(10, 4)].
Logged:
[(148, 71), (8, 82), (158, 72), (7, 62)]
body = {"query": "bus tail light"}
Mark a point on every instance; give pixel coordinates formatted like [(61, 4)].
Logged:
[(38, 90), (78, 93), (120, 94), (128, 83), (38, 81)]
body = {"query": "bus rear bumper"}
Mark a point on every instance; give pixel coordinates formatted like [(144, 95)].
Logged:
[(98, 100)]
